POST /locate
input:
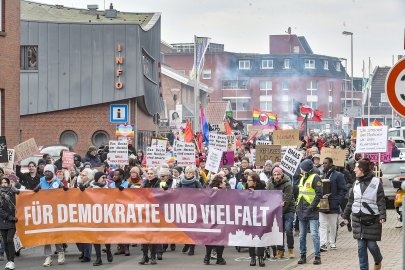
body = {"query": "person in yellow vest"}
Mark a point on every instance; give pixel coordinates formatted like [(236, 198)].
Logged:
[(310, 194)]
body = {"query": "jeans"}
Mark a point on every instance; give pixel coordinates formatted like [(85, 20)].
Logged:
[(8, 241), (85, 249), (328, 228), (97, 247), (314, 227), (363, 245), (288, 221), (152, 247), (253, 253)]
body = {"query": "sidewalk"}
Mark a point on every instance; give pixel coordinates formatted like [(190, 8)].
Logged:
[(345, 257)]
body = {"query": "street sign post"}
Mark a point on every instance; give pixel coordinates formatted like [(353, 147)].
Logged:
[(119, 113), (395, 87)]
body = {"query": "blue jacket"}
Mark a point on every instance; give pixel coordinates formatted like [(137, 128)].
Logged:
[(55, 184), (124, 184), (93, 160)]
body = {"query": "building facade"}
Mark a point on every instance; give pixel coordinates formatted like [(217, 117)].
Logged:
[(75, 63), (9, 71)]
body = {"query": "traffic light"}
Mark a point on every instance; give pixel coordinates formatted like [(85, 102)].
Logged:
[(156, 119)]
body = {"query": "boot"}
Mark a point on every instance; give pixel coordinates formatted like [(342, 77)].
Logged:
[(279, 254), (109, 255), (317, 260), (253, 261), (185, 248), (207, 259), (98, 262), (220, 260), (172, 247), (291, 253), (159, 256), (261, 261), (303, 259), (126, 250), (120, 250), (377, 266), (153, 259), (191, 251), (81, 256), (144, 260)]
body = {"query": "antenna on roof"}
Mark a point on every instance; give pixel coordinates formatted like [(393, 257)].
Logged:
[(288, 30)]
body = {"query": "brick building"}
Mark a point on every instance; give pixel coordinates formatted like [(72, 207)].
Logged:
[(75, 63), (271, 81), (9, 71)]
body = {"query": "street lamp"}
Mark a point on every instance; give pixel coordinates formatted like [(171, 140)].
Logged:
[(346, 33)]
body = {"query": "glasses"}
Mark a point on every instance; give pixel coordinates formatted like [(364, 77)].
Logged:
[(150, 173)]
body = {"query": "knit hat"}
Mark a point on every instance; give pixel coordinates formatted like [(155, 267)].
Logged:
[(316, 156), (203, 159), (90, 173), (268, 163), (98, 175), (307, 165), (164, 171), (41, 161), (49, 168), (92, 148)]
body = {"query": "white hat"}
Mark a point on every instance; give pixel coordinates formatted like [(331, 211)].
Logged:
[(49, 168)]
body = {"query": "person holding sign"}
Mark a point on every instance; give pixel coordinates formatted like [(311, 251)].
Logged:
[(309, 196), (367, 209)]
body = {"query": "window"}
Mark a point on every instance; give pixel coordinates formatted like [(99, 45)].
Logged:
[(286, 63), (284, 85), (266, 103), (240, 104), (147, 65), (206, 74), (330, 99), (266, 85), (312, 101), (234, 84), (2, 12), (28, 57), (312, 85), (330, 107), (338, 66), (330, 84), (325, 64), (384, 97), (244, 64), (100, 138), (310, 63), (284, 103), (68, 137), (296, 49), (267, 64)]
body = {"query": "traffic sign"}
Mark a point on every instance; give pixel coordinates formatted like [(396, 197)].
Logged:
[(119, 113), (395, 87)]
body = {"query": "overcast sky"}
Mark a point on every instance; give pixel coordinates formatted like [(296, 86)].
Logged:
[(244, 25)]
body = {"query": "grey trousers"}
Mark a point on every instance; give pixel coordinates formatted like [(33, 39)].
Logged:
[(48, 249)]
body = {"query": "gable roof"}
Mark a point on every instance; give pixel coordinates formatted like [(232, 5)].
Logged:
[(215, 111)]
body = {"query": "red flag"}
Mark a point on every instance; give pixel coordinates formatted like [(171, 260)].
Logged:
[(253, 137), (200, 141), (376, 123), (363, 123), (276, 124), (188, 133), (228, 128)]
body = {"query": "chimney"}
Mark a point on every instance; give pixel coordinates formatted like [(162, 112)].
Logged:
[(110, 13), (92, 9)]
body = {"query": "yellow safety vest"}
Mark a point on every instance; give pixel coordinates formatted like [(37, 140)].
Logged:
[(306, 191)]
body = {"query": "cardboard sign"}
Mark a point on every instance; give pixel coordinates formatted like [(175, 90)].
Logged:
[(231, 143), (372, 139), (286, 137), (9, 166), (126, 131), (338, 156), (155, 156), (228, 158), (217, 127), (290, 161), (25, 149), (185, 154), (118, 152), (213, 159), (218, 141), (68, 160), (267, 152), (384, 157), (258, 142), (3, 150), (159, 143)]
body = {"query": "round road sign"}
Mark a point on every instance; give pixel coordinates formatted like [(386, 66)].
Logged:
[(395, 87)]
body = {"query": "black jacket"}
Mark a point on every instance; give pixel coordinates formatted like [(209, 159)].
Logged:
[(286, 187), (26, 180), (155, 183), (7, 208), (366, 226), (338, 189)]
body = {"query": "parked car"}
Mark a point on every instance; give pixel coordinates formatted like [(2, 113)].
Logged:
[(389, 171), (54, 150), (24, 162)]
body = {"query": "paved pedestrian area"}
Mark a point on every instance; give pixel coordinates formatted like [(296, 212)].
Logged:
[(345, 257)]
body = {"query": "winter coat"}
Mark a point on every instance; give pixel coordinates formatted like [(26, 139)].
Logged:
[(93, 160), (154, 183), (307, 211), (337, 188), (286, 187), (189, 183), (26, 180), (7, 208), (265, 176), (362, 229), (259, 186)]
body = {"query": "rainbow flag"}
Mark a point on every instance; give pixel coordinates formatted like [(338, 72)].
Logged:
[(125, 131), (264, 119)]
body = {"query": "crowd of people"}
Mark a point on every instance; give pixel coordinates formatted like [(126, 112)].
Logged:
[(314, 198)]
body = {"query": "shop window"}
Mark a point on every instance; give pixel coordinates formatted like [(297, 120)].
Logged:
[(29, 57), (100, 138), (68, 137)]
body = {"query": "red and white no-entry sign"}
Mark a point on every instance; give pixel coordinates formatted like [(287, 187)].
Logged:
[(395, 87)]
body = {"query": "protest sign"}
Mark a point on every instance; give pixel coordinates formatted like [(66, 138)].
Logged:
[(25, 149), (218, 141), (228, 158), (258, 142), (159, 143), (126, 131), (338, 155), (118, 152), (354, 134), (155, 156), (213, 159), (151, 216), (286, 137), (231, 146), (384, 157), (185, 154), (372, 139), (9, 166), (68, 160), (267, 152), (252, 157), (3, 150), (290, 161)]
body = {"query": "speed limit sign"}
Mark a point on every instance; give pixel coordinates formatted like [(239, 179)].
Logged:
[(395, 87)]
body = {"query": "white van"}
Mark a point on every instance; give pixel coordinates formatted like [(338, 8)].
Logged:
[(397, 132)]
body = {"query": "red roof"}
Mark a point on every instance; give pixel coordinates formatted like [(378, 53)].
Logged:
[(215, 111)]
